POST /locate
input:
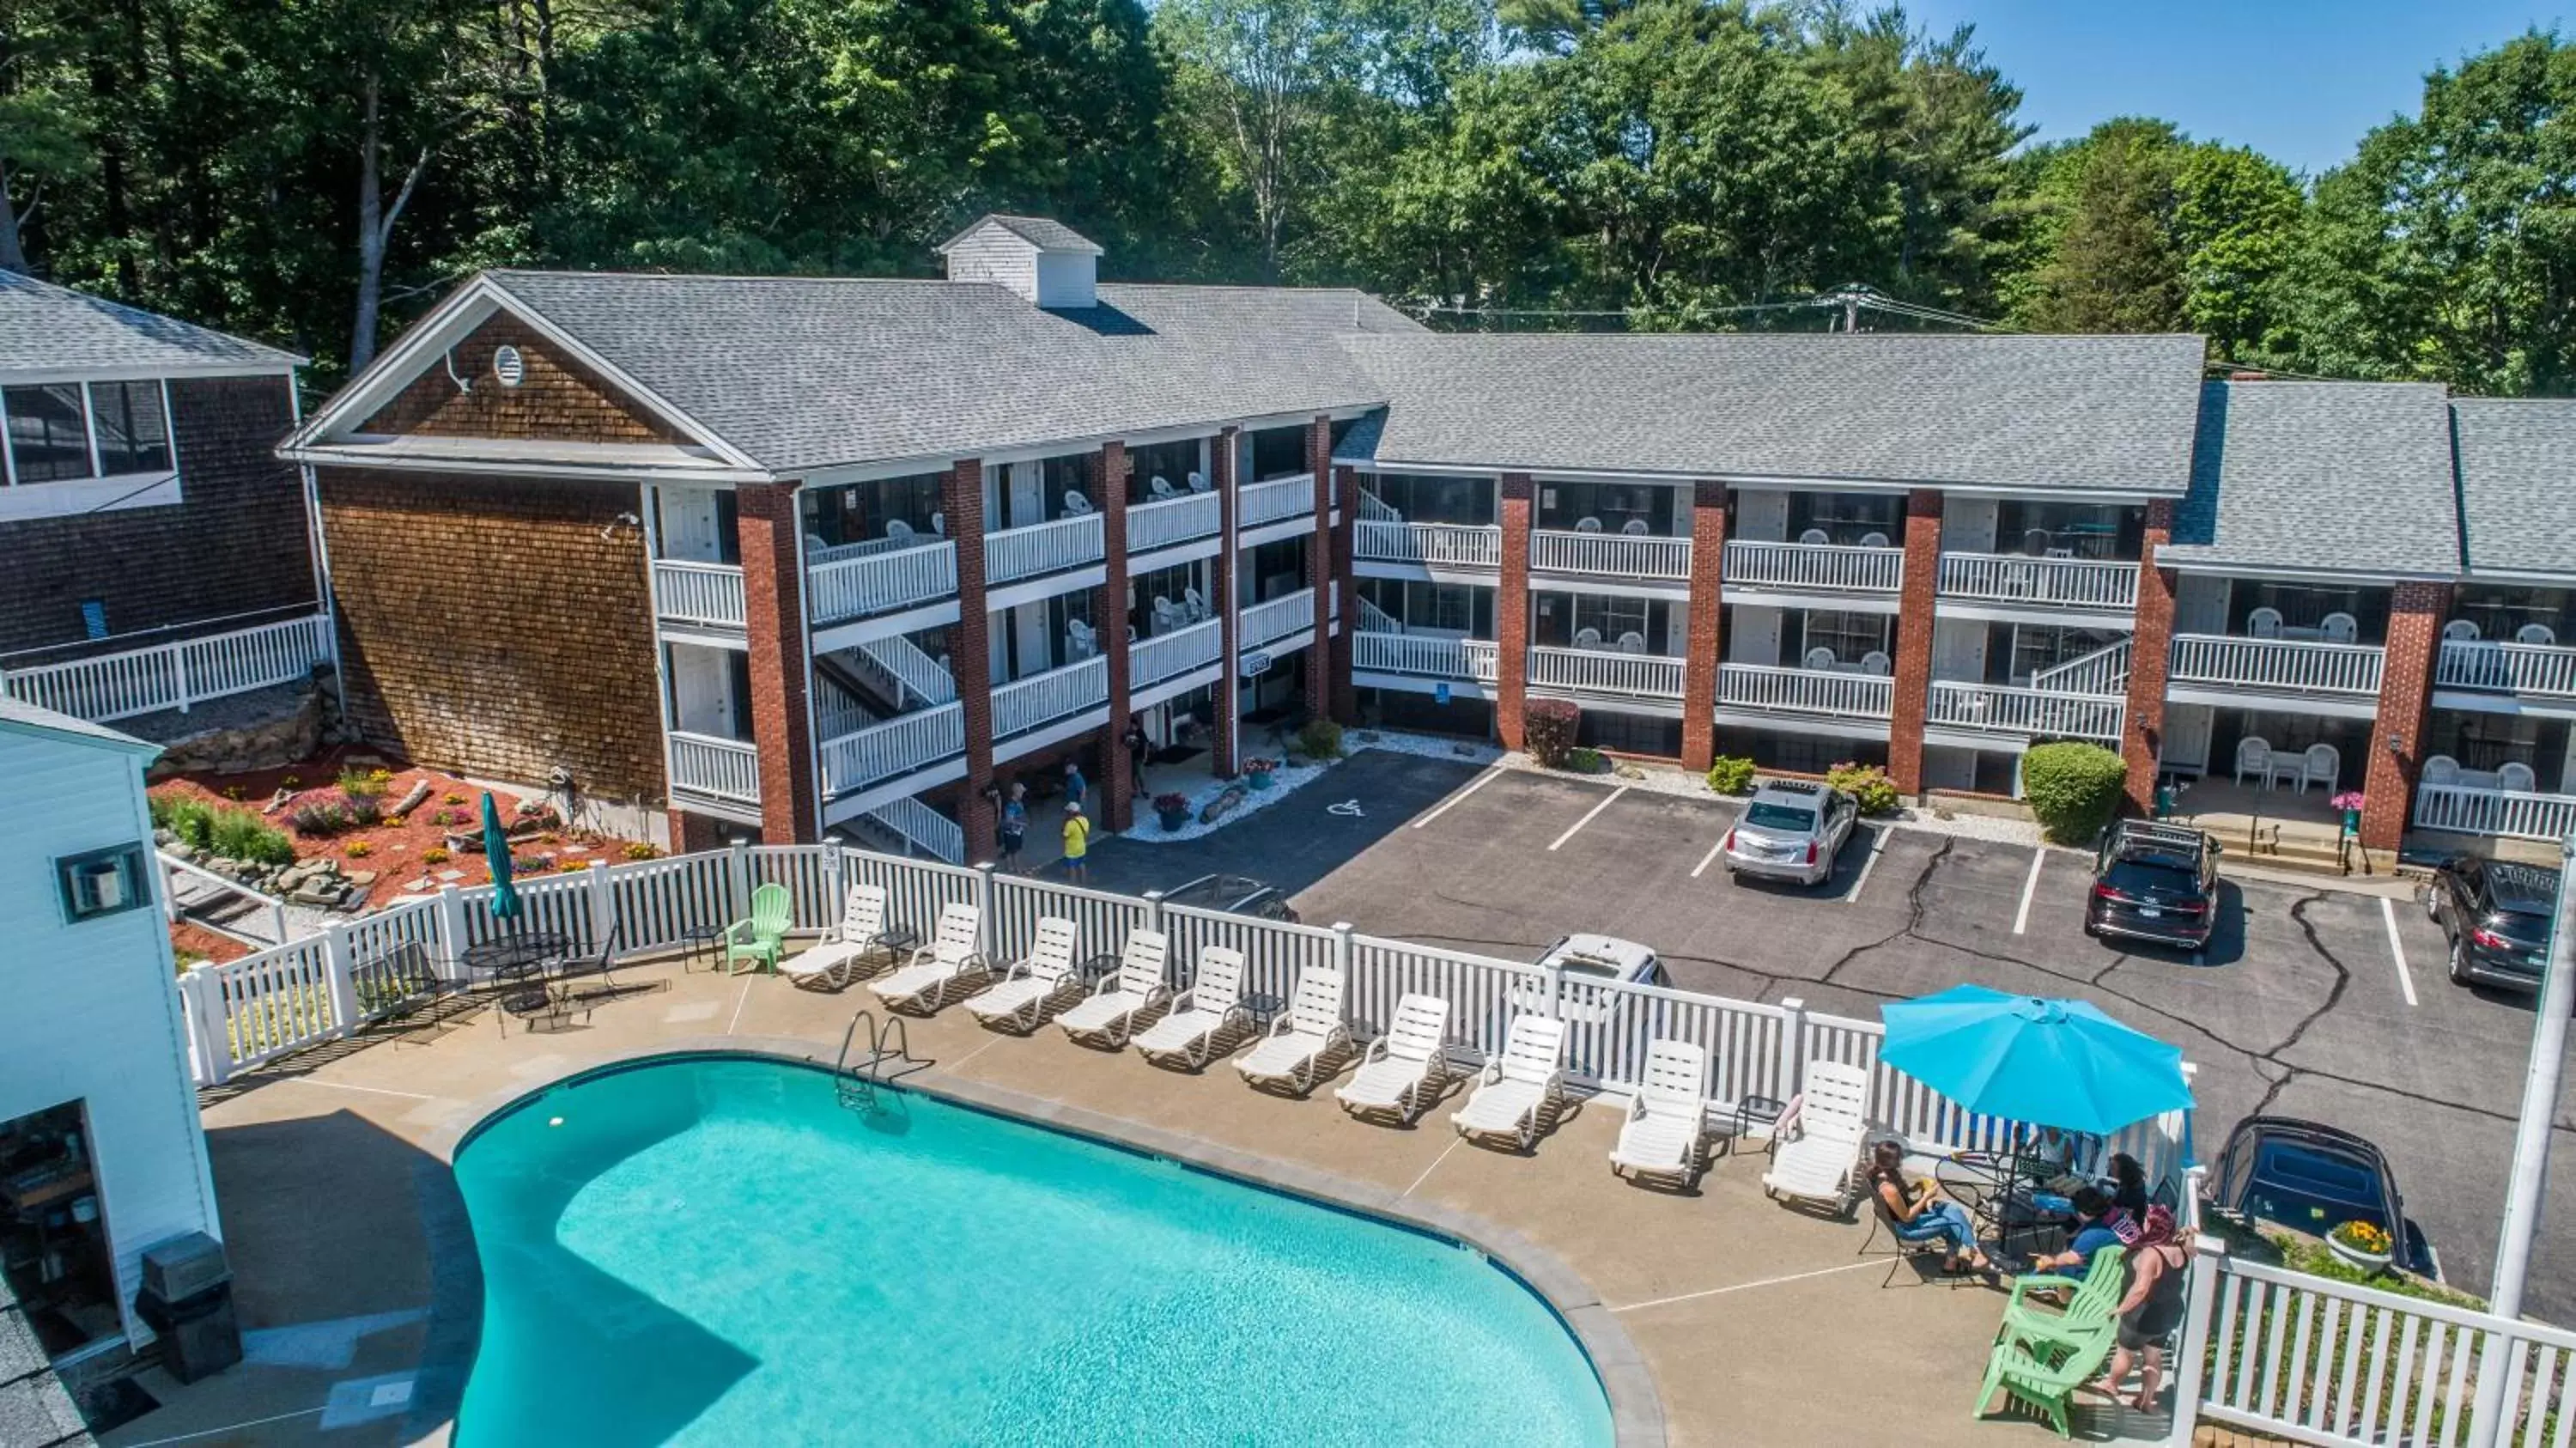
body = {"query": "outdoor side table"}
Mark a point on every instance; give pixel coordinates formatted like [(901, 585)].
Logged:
[(701, 940), (1764, 1109)]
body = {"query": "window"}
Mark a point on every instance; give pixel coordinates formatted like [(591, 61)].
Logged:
[(103, 882), (133, 434), (52, 427), (48, 441), (1852, 636)]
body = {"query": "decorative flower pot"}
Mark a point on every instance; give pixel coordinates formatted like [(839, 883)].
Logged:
[(1172, 820), (2356, 1258), (1260, 778), (2352, 822)]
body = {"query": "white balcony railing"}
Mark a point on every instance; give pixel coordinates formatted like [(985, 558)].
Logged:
[(926, 829), (2057, 582), (875, 583), (1615, 555), (2295, 665), (1433, 656), (1601, 671), (2034, 712), (2503, 668), (898, 746), (1830, 567), (1804, 691), (2103, 673), (1173, 520), (1432, 545), (1025, 704), (1040, 548), (1265, 623), (1275, 501), (1170, 655), (174, 675), (927, 679), (721, 768), (709, 594), (2467, 811)]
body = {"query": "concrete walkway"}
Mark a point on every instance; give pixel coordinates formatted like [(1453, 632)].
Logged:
[(1758, 1324)]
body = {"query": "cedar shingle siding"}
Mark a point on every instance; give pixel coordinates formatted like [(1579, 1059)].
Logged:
[(235, 544), (559, 399), (489, 628)]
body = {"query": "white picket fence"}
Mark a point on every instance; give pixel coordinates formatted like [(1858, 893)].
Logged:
[(174, 675)]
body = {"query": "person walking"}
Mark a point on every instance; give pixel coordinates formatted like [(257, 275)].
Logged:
[(1140, 750), (1077, 843), (1015, 826), (2153, 1307), (1074, 785)]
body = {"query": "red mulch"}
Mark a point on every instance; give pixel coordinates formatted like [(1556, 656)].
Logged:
[(203, 944)]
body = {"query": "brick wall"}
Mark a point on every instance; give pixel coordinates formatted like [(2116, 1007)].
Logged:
[(1222, 747), (970, 653), (1915, 600), (2150, 651), (236, 543), (1345, 703), (1107, 478), (1704, 647), (498, 627), (782, 721), (2415, 614), (1319, 568), (1511, 613), (559, 398)]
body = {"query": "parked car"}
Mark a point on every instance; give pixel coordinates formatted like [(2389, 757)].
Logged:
[(2313, 1178), (1579, 959), (1235, 895), (1791, 830), (2155, 882), (2496, 915)]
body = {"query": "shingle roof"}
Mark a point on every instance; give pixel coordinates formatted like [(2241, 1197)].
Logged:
[(49, 329), (2039, 412), (801, 373), (2517, 484), (2350, 477), (1044, 233), (19, 714)]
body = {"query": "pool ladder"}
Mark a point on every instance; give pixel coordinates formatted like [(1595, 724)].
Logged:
[(857, 1081)]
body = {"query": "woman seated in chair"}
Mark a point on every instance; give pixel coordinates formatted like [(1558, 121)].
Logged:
[(2128, 1184), (1917, 1212)]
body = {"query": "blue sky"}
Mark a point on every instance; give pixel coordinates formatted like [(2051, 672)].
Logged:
[(2300, 80)]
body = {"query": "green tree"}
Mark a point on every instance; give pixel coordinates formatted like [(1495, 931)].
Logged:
[(43, 137), (2114, 264), (2238, 219)]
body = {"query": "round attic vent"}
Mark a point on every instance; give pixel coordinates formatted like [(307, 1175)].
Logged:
[(508, 365)]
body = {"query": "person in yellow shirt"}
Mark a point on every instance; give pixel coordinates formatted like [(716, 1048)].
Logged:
[(1077, 843)]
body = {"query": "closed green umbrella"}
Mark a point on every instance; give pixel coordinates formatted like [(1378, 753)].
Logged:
[(496, 853)]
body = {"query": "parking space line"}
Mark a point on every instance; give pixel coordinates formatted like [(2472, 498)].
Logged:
[(1710, 858), (2397, 948), (1587, 817), (1473, 785), (2029, 887), (1876, 847)]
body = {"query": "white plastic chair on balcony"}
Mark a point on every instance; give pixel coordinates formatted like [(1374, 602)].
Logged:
[(2254, 757), (1075, 503), (2339, 628), (1633, 528), (2264, 623), (1198, 482), (1819, 657), (939, 524), (1587, 638), (1877, 663), (2324, 766), (2441, 769), (1587, 525), (1160, 488), (900, 531), (2535, 633), (1873, 540), (1194, 604), (1632, 642), (2036, 542), (2517, 778), (1166, 617), (2460, 631), (1814, 536), (1079, 640)]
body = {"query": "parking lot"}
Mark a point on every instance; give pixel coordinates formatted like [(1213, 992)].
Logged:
[(2311, 1001)]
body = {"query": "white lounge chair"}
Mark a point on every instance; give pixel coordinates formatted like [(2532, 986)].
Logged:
[(955, 953), (1668, 1118), (834, 959), (1108, 1015), (1292, 1055), (1021, 998), (1818, 1139), (1214, 1001), (1404, 1070), (1513, 1087)]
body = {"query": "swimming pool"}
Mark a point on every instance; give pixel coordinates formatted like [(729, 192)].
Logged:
[(714, 1250)]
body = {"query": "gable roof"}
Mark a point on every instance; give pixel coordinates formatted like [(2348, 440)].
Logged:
[(1044, 233), (2517, 462), (46, 329), (2333, 477), (17, 716)]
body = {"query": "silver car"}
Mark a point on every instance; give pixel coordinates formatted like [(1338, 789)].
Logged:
[(1791, 830)]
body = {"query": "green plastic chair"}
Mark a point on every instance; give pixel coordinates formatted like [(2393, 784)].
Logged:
[(2088, 1314), (2046, 1384), (760, 938)]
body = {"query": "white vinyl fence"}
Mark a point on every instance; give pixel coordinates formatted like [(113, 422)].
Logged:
[(174, 675)]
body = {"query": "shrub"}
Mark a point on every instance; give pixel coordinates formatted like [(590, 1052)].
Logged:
[(358, 849), (240, 835), (1321, 739), (192, 820), (2073, 788), (364, 783), (365, 811), (319, 820), (1585, 761), (1866, 783), (434, 855), (451, 799), (638, 850), (1731, 774), (1548, 727)]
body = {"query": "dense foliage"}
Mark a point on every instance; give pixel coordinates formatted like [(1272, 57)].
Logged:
[(1731, 774), (1548, 728), (1867, 784), (2073, 788), (316, 172)]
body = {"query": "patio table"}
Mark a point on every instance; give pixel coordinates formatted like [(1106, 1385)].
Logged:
[(514, 958), (2002, 1191)]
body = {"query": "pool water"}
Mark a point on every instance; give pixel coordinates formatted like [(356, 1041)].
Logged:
[(717, 1251)]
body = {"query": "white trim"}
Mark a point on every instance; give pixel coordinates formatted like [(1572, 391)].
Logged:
[(1175, 555), (1045, 586), (2480, 701), (1742, 595), (1803, 724), (1301, 526), (839, 636), (904, 786), (1991, 611), (1421, 684), (1551, 581), (1056, 733), (76, 496), (2248, 696), (89, 430), (330, 456), (2541, 578), (38, 376), (1139, 700), (2275, 572), (1674, 476)]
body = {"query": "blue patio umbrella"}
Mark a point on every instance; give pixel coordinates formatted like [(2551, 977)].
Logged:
[(2058, 1063), (496, 853)]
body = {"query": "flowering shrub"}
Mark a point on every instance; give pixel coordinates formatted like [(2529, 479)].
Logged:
[(435, 855), (2349, 799), (638, 850), (2364, 1237), (1867, 784), (1168, 802), (1258, 765), (1548, 727), (358, 849)]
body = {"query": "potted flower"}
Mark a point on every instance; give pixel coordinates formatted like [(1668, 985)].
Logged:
[(1172, 811), (2350, 802), (2362, 1245), (1258, 771)]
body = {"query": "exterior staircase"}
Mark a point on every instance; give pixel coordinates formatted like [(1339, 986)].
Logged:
[(2103, 673)]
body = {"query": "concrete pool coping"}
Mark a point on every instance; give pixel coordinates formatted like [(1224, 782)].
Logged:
[(1636, 1407)]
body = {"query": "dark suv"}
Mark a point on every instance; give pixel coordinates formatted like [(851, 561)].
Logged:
[(2155, 882), (2313, 1178), (2496, 915)]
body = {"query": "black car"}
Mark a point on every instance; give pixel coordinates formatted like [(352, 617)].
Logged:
[(2496, 915), (2313, 1178), (2155, 882), (1235, 895)]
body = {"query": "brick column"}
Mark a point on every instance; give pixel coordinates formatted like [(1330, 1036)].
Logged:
[(1319, 569), (1512, 613), (970, 654), (1345, 697), (1221, 467), (2142, 736), (1703, 647), (694, 833), (2415, 615), (1914, 601), (782, 721), (1108, 483)]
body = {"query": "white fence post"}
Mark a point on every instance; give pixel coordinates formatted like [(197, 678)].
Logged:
[(984, 923), (836, 878), (179, 674), (603, 906), (738, 877), (336, 967), (202, 998), (2209, 1255), (1154, 910), (1342, 962), (451, 932), (1793, 1056)]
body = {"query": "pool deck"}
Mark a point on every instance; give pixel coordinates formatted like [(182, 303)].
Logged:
[(1753, 1323)]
